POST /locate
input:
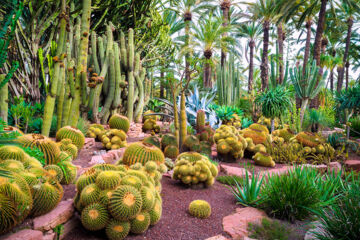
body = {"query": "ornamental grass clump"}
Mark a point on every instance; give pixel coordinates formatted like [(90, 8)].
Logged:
[(292, 196)]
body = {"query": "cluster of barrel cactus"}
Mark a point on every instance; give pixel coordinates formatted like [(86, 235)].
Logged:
[(26, 188), (305, 147), (120, 122), (150, 125), (95, 130), (113, 138), (192, 168), (140, 152), (229, 142), (118, 199)]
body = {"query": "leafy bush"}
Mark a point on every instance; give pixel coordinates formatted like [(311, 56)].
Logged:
[(355, 126), (226, 113), (317, 119), (247, 192), (291, 196), (155, 105), (245, 123), (339, 141), (35, 125), (270, 230), (341, 219)]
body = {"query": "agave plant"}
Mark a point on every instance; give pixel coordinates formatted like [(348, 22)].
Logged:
[(196, 102), (305, 84)]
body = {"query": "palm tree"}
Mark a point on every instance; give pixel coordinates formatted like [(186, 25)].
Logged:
[(266, 11), (350, 8), (251, 31), (331, 62), (186, 8), (319, 32), (209, 36)]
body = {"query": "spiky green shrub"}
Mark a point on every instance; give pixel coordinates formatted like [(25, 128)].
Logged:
[(74, 134), (342, 217), (200, 209), (48, 147), (141, 153), (119, 122), (128, 200), (291, 196)]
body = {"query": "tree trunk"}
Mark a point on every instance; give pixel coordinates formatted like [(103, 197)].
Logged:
[(346, 53), (207, 74), (332, 79), (307, 45), (302, 110), (347, 75), (280, 33), (264, 59), (4, 102), (319, 32), (225, 7), (251, 65), (162, 84)]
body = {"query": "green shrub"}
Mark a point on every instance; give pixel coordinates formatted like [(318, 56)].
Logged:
[(272, 229), (247, 192), (341, 219), (291, 196), (355, 126), (83, 125), (230, 180)]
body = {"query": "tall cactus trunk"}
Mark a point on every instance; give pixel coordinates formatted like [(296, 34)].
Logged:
[(131, 87), (4, 102), (183, 129), (61, 97), (51, 97), (140, 106), (176, 115), (81, 66)]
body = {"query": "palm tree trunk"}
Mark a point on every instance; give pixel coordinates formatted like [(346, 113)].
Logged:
[(264, 59), (280, 34), (207, 74), (187, 55), (346, 53), (319, 32), (162, 84), (225, 7), (347, 75), (251, 65), (332, 79), (307, 45)]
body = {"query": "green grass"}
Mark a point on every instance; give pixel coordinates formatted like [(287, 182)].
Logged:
[(230, 180), (271, 230)]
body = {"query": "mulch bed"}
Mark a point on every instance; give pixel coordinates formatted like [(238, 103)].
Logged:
[(175, 223)]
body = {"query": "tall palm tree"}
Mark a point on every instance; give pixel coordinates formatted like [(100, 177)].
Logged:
[(209, 35), (266, 11), (350, 8), (252, 32), (186, 8), (319, 32), (331, 62)]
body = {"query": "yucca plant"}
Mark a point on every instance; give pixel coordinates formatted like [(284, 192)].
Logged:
[(247, 192), (274, 102), (305, 84)]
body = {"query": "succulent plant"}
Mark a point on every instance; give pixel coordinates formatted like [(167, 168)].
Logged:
[(68, 132), (118, 121), (200, 209)]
